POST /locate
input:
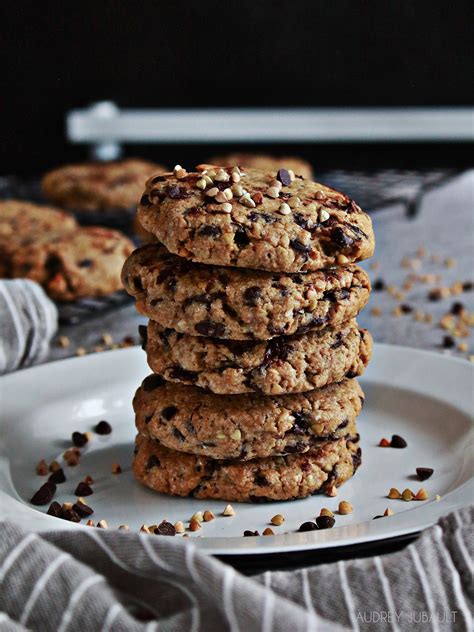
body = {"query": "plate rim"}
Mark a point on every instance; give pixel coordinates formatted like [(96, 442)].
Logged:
[(405, 523)]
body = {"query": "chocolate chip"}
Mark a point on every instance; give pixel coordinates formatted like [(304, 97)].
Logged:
[(304, 223), (457, 308), (83, 489), (424, 473), (169, 412), (57, 477), (339, 237), (378, 285), (144, 200), (54, 509), (467, 286), (79, 439), (44, 495), (448, 342), (153, 461), (264, 217), (151, 382), (230, 311), (406, 309), (143, 333), (398, 442), (325, 522), (248, 533), (82, 509), (252, 295), (434, 295), (103, 428), (297, 245), (241, 238), (351, 374), (276, 350), (85, 263), (284, 177), (70, 515), (209, 231), (308, 526), (165, 528), (178, 435), (175, 192), (177, 373), (301, 422), (210, 328), (260, 480)]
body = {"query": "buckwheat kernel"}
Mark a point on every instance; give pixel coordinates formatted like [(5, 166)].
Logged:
[(208, 516), (323, 215), (273, 192), (197, 516), (284, 209), (294, 201), (201, 184), (394, 493), (277, 520), (326, 512), (236, 435), (345, 507), (179, 526), (407, 495), (268, 531), (226, 207), (124, 527), (237, 190), (421, 494), (102, 524), (194, 525), (388, 512), (212, 192), (228, 511)]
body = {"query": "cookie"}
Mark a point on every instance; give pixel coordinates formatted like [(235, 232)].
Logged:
[(260, 480), (295, 227), (188, 419), (85, 263), (99, 186), (22, 224), (291, 364), (264, 162), (238, 304)]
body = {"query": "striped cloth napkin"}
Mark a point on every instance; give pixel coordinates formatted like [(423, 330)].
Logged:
[(88, 580), (28, 320)]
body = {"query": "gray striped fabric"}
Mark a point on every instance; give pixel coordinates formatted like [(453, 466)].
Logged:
[(28, 320), (88, 580)]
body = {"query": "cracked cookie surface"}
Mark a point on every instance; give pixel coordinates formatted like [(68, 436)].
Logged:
[(260, 480), (85, 263), (232, 303), (99, 186), (298, 226), (282, 365), (189, 419)]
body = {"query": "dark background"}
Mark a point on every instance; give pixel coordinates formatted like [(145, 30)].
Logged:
[(58, 56)]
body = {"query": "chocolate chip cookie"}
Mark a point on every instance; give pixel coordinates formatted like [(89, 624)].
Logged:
[(238, 304), (188, 419), (258, 219), (22, 224), (84, 263), (292, 364), (99, 186), (260, 480), (264, 162)]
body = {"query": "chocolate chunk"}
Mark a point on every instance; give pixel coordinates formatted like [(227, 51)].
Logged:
[(144, 200), (175, 192), (57, 477), (298, 246), (424, 473), (252, 295), (406, 309), (276, 350), (264, 217), (248, 533), (54, 509), (169, 412), (151, 382), (177, 373), (153, 461), (338, 342), (85, 263), (398, 442), (467, 286), (209, 231), (79, 439), (301, 422), (165, 528), (178, 435), (44, 495), (351, 374), (339, 237), (308, 526), (304, 223), (210, 328), (284, 177), (82, 509), (448, 342), (70, 515), (325, 522), (103, 428), (260, 480), (83, 489), (378, 285), (241, 238), (137, 284), (457, 308)]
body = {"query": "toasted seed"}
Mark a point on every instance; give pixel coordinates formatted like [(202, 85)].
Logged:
[(345, 507), (107, 339), (116, 469), (323, 215), (165, 528), (326, 512), (228, 511), (57, 477), (222, 176), (83, 489), (90, 523), (220, 197), (437, 497), (82, 509), (248, 533), (294, 201), (208, 516), (63, 341), (201, 184), (331, 491), (273, 192), (102, 524), (44, 495), (124, 527), (80, 351), (143, 529), (384, 443), (88, 480), (55, 509), (394, 493), (212, 192), (268, 531), (103, 428), (198, 516), (194, 525), (407, 495), (342, 259), (179, 527), (388, 512), (236, 435), (226, 207), (79, 439), (284, 209), (278, 520), (237, 190), (247, 201)]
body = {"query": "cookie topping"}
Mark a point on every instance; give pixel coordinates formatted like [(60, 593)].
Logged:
[(284, 177)]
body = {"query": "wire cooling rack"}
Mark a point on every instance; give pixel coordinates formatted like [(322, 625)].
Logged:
[(373, 191)]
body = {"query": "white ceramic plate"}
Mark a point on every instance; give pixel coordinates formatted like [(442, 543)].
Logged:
[(424, 397)]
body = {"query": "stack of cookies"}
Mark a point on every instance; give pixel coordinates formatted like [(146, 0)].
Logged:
[(252, 295)]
